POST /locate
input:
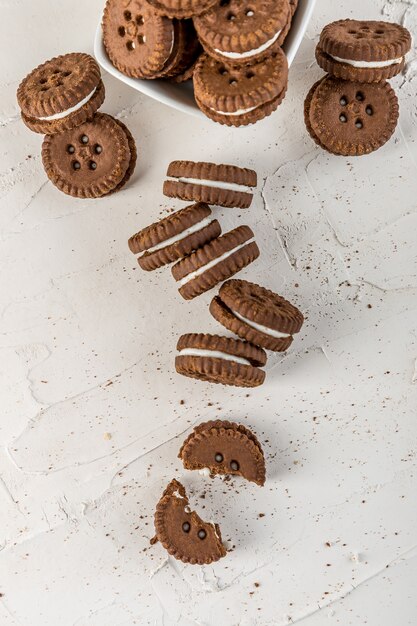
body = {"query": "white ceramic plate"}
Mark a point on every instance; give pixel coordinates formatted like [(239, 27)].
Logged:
[(181, 96)]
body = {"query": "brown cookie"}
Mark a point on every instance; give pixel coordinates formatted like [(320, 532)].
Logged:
[(363, 51), (175, 236), (221, 360), (223, 185), (224, 448), (184, 53), (139, 41), (61, 93), (181, 8), (182, 532), (91, 160), (216, 261), (350, 118), (293, 6), (241, 95), (256, 314), (242, 32)]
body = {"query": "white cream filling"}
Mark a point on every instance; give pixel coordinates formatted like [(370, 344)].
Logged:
[(59, 116), (182, 235), (220, 184), (262, 329), (238, 112), (214, 354), (204, 472), (249, 53), (364, 64), (212, 263)]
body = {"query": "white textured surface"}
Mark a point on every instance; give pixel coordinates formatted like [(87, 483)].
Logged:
[(92, 413)]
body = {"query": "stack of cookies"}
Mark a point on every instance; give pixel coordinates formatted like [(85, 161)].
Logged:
[(86, 154), (231, 49), (191, 239), (353, 110)]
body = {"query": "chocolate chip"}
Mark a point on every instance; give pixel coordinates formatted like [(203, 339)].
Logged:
[(186, 527), (234, 465), (218, 457), (202, 534)]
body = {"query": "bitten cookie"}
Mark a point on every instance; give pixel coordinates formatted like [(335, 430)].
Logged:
[(363, 51), (181, 8), (256, 314), (92, 160), (224, 185), (216, 261), (221, 360), (61, 93), (224, 448), (242, 32), (175, 236), (237, 96), (182, 532), (350, 118)]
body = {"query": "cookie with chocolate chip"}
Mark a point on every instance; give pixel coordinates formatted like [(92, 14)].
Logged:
[(256, 314), (223, 360), (225, 448), (350, 118), (363, 51), (92, 160), (61, 94), (182, 532), (237, 96)]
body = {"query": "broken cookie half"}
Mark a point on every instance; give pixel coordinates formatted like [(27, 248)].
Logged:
[(182, 532), (224, 448)]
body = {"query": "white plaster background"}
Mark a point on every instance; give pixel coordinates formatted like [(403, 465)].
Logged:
[(91, 412)]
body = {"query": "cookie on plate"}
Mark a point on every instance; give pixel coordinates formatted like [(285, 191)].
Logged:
[(363, 51), (61, 93), (256, 314), (181, 8), (224, 185), (237, 96), (92, 160), (223, 360), (143, 44), (182, 532), (350, 118), (242, 32), (174, 236), (224, 447), (218, 260)]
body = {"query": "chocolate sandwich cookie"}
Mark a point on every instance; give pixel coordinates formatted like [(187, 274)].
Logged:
[(143, 44), (218, 260), (181, 8), (363, 51), (350, 118), (241, 95), (182, 532), (224, 447), (175, 236), (256, 314), (293, 6), (92, 160), (242, 32), (221, 360), (224, 185), (61, 93)]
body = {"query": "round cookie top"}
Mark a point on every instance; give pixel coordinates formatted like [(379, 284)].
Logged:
[(137, 39), (241, 26), (352, 118), (58, 85), (90, 160), (226, 89), (181, 8), (365, 40), (261, 306)]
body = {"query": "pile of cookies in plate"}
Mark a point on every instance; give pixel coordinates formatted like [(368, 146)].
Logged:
[(85, 154), (230, 48), (353, 110), (191, 239)]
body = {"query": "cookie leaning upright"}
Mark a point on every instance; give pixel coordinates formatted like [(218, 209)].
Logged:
[(242, 32), (363, 51), (61, 94)]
